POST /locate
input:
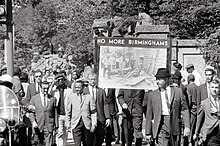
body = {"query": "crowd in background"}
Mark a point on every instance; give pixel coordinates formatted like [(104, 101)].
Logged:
[(182, 111)]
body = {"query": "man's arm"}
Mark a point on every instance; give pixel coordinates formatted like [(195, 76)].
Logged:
[(200, 119), (184, 110), (106, 106), (93, 111), (149, 115)]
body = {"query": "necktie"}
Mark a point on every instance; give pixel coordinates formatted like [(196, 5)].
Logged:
[(93, 93), (80, 97), (167, 100), (45, 101)]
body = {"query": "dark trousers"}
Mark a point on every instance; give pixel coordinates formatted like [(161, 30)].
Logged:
[(81, 134), (112, 132), (132, 127), (99, 134), (213, 139), (165, 138)]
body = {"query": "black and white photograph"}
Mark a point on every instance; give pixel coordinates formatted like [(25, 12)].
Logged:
[(109, 72), (130, 67)]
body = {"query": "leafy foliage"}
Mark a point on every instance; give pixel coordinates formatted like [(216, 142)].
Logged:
[(51, 22), (40, 26)]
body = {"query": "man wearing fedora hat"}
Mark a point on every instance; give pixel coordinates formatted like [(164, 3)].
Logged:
[(60, 91), (165, 107)]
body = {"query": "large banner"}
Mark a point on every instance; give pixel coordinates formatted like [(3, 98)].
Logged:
[(130, 63)]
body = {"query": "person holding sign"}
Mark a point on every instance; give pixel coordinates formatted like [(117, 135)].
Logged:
[(131, 101)]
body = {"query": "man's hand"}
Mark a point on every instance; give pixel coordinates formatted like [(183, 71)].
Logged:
[(195, 137), (107, 122), (92, 129), (31, 107), (124, 106), (34, 125), (186, 131), (148, 138)]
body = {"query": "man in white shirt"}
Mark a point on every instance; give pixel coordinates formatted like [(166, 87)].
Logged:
[(191, 70), (208, 117), (165, 107)]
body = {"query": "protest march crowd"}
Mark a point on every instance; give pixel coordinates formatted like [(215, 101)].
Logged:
[(182, 111)]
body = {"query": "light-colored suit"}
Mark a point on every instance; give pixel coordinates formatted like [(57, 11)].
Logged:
[(77, 109), (206, 121)]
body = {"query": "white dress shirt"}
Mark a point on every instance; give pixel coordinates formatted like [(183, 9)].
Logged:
[(165, 109)]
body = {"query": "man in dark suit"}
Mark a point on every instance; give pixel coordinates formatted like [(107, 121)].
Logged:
[(164, 107), (203, 90), (192, 101), (113, 131), (34, 88), (81, 115), (43, 118), (102, 107), (208, 117), (60, 91), (131, 101)]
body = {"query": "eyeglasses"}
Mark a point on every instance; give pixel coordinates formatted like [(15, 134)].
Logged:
[(37, 76), (60, 80)]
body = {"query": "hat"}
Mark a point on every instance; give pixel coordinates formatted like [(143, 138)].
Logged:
[(6, 78), (59, 75), (162, 73), (209, 68), (177, 75), (177, 65), (189, 66)]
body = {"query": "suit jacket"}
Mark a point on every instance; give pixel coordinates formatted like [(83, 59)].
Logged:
[(206, 121), (192, 97), (202, 93), (31, 91), (77, 110), (102, 106), (112, 104), (154, 109), (43, 115), (134, 99)]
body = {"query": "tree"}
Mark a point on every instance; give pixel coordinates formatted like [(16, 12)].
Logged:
[(54, 22)]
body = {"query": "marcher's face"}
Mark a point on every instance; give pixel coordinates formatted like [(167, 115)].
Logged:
[(214, 89), (162, 82), (38, 77), (79, 88), (92, 80), (74, 76), (209, 76), (61, 81), (44, 88)]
